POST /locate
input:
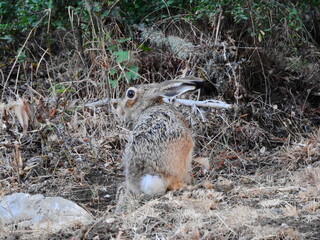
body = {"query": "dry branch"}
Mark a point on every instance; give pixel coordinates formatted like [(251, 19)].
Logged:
[(23, 111), (101, 103), (207, 103)]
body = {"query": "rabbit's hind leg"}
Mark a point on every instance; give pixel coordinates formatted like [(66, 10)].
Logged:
[(179, 162), (175, 184)]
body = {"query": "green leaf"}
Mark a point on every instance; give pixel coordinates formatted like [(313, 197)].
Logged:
[(122, 40), (60, 90), (132, 73), (260, 37), (22, 56), (121, 56), (111, 48), (112, 72), (294, 11), (134, 69), (104, 14), (113, 83), (8, 38), (144, 48), (64, 90)]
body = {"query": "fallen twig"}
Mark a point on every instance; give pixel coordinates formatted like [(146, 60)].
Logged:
[(207, 103), (101, 103)]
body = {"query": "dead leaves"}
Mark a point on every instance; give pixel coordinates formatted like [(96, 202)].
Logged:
[(23, 111), (203, 161), (18, 163), (26, 113)]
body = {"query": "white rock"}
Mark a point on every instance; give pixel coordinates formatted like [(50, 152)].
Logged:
[(40, 213), (271, 203), (110, 220)]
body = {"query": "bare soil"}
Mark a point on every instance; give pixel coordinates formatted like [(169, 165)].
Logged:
[(261, 194)]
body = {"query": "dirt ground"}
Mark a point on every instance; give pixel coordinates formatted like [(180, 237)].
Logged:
[(260, 194), (256, 168)]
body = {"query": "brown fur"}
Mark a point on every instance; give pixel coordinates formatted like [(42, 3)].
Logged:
[(130, 103), (161, 143), (180, 152)]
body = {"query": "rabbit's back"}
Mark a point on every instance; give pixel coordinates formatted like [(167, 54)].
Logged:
[(160, 145)]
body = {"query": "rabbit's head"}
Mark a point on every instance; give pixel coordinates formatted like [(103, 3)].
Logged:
[(141, 97)]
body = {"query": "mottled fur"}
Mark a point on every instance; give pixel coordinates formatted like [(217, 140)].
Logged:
[(160, 143)]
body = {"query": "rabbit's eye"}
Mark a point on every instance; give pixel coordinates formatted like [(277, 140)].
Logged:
[(131, 94)]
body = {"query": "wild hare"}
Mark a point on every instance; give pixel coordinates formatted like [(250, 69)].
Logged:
[(158, 154)]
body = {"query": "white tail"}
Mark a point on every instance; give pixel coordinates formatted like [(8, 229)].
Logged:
[(152, 185)]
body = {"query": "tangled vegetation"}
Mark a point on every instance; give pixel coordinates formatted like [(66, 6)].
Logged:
[(258, 162)]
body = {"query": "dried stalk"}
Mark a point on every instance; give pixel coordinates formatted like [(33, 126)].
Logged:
[(207, 103)]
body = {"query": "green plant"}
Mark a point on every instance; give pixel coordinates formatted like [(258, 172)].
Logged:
[(263, 19), (148, 11), (22, 16), (123, 68), (60, 89)]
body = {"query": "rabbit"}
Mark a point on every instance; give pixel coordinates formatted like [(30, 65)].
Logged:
[(158, 154)]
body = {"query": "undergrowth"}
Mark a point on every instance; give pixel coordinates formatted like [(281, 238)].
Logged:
[(261, 56)]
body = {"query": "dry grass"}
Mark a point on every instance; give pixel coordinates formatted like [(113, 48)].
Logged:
[(257, 174)]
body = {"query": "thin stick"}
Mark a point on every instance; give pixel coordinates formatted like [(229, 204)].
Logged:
[(19, 54), (207, 103), (101, 102)]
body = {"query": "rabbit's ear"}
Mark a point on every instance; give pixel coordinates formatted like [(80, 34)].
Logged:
[(179, 86)]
